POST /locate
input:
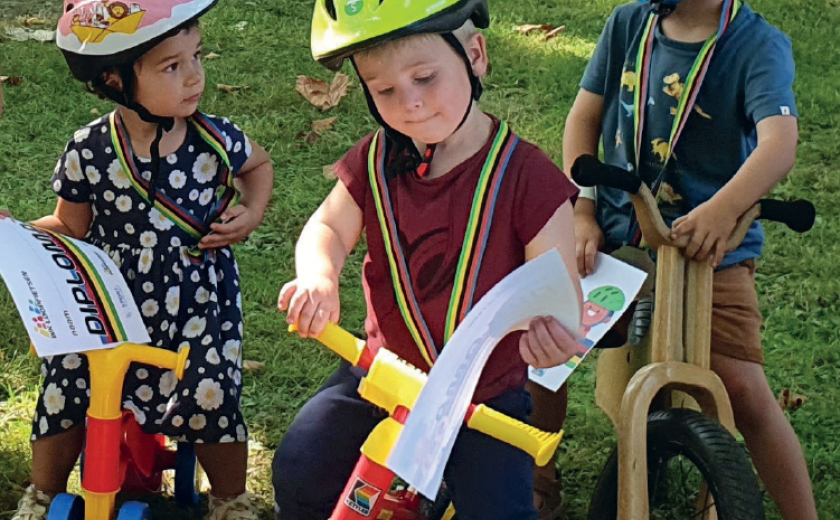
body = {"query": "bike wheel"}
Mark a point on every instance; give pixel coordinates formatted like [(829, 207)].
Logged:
[(693, 461), (134, 511), (66, 507)]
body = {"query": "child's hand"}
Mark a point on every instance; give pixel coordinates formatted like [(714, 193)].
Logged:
[(237, 223), (708, 227), (310, 304), (588, 240), (5, 213), (547, 344)]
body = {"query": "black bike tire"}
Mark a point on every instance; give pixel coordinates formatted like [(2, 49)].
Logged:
[(710, 447)]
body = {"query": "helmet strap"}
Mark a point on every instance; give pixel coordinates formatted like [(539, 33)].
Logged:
[(125, 97), (403, 154)]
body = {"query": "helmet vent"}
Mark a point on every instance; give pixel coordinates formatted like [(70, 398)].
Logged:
[(68, 8), (329, 5)]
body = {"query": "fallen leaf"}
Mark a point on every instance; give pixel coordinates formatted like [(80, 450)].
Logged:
[(790, 401), (253, 365), (241, 25), (230, 89), (20, 34), (211, 56), (525, 29), (321, 94), (33, 20), (554, 32), (322, 125), (12, 81), (311, 137), (329, 172), (94, 111)]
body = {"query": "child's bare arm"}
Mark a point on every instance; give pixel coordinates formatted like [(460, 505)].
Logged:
[(580, 137), (331, 233), (546, 343), (711, 223), (254, 181), (69, 218)]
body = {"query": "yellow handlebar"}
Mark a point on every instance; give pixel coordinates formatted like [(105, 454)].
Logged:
[(535, 442), (340, 341), (391, 382)]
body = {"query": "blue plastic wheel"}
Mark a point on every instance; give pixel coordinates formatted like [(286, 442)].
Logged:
[(134, 511), (185, 470), (66, 507)]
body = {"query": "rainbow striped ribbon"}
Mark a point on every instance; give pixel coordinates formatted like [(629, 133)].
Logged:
[(691, 89), (472, 251), (226, 193)]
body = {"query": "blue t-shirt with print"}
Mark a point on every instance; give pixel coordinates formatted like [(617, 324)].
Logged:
[(750, 77)]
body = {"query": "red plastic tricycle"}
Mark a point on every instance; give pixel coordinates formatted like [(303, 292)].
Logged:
[(394, 385)]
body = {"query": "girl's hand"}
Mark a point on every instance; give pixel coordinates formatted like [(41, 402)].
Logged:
[(237, 223), (547, 344), (5, 213), (588, 240), (708, 228), (310, 304)]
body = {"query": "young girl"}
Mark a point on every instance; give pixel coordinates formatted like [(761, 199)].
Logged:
[(157, 185)]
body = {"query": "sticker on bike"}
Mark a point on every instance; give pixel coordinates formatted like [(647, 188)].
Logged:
[(362, 497)]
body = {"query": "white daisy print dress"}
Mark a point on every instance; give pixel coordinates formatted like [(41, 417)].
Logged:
[(187, 297)]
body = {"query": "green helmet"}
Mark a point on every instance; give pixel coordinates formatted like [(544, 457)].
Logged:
[(341, 28), (609, 297)]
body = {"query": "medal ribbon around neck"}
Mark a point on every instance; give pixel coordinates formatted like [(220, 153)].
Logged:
[(693, 81), (226, 193), (472, 251), (691, 89)]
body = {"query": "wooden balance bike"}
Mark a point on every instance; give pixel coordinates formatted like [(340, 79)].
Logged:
[(677, 455)]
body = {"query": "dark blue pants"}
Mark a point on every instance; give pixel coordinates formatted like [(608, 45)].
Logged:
[(489, 479)]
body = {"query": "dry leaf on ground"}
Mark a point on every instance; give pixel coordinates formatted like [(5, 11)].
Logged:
[(322, 125), (554, 32), (230, 89), (321, 94), (252, 365), (12, 81), (211, 56), (34, 20), (525, 29), (329, 172), (20, 34)]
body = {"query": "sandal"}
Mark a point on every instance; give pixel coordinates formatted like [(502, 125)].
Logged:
[(552, 506)]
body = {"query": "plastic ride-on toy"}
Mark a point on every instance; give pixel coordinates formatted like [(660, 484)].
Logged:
[(394, 385), (118, 455)]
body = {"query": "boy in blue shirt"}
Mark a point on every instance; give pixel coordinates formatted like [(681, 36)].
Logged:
[(717, 130)]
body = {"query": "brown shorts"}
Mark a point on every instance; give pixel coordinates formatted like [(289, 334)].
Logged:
[(736, 320)]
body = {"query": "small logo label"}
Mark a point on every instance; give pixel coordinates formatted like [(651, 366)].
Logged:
[(353, 7), (41, 326), (785, 110), (362, 497)]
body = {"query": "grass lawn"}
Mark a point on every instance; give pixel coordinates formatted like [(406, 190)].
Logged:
[(264, 45)]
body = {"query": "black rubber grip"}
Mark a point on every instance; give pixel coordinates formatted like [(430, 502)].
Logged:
[(589, 171), (798, 215)]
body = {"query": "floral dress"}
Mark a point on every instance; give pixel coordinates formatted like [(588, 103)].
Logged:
[(186, 298)]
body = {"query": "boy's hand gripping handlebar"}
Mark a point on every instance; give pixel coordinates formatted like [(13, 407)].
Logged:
[(587, 170), (393, 384)]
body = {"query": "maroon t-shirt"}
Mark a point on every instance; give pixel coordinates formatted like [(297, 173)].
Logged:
[(432, 217)]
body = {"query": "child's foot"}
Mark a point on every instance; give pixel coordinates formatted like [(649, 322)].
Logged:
[(33, 505), (243, 507)]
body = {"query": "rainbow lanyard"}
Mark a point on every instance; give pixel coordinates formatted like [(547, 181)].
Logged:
[(472, 251), (691, 89), (226, 194)]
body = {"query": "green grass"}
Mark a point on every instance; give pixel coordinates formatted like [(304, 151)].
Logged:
[(532, 85)]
